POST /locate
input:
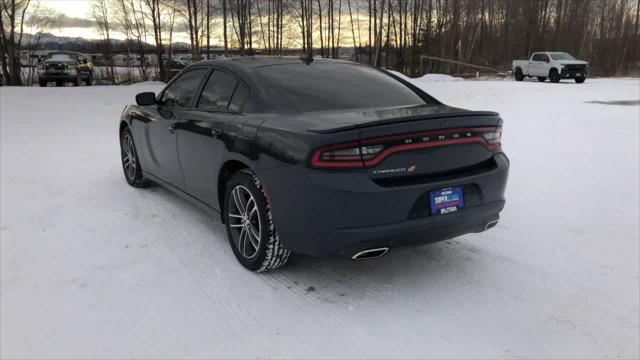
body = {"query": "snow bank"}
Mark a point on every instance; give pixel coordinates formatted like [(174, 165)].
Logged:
[(437, 77)]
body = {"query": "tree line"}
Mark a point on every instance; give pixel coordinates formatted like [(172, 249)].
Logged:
[(394, 34)]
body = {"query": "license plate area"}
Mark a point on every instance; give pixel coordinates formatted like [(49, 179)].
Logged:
[(446, 201)]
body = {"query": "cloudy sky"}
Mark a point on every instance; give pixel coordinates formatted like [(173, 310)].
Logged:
[(77, 15), (73, 19)]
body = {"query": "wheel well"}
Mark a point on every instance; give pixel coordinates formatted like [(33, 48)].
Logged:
[(518, 68), (552, 70), (226, 172), (122, 126)]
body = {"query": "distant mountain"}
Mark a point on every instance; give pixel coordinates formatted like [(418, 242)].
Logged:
[(80, 44)]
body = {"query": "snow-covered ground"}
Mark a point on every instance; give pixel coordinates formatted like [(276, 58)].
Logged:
[(91, 267)]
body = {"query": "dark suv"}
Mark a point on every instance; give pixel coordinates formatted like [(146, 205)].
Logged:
[(65, 66)]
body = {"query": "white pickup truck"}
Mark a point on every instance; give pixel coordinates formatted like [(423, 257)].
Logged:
[(554, 65)]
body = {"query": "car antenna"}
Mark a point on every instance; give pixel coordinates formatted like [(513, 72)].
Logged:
[(307, 58)]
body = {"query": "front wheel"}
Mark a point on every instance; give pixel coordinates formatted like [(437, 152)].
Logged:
[(130, 160), (554, 76), (580, 80), (250, 229)]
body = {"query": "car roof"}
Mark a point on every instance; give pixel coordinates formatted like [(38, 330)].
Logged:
[(263, 97), (265, 60)]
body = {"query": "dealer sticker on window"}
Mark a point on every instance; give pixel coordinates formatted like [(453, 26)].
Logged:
[(446, 200)]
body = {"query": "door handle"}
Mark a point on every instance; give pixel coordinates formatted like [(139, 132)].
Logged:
[(216, 132), (172, 128)]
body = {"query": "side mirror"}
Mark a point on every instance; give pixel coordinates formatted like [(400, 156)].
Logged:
[(146, 98)]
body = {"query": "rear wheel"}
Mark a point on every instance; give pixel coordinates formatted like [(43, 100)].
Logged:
[(554, 76), (519, 76), (250, 229), (580, 80), (130, 161), (541, 78)]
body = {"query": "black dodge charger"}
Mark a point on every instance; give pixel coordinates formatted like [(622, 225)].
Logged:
[(316, 157)]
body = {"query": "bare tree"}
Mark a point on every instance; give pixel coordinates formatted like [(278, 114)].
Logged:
[(154, 11), (101, 15), (12, 17)]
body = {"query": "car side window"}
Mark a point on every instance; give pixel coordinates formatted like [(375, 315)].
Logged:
[(182, 91), (218, 91), (544, 58), (239, 98), (537, 57)]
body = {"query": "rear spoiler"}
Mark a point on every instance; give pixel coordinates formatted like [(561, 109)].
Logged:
[(454, 114)]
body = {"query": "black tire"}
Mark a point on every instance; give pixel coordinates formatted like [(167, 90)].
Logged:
[(43, 83), (268, 254), (580, 80), (130, 161), (58, 83), (519, 76), (542, 78), (554, 76), (89, 81)]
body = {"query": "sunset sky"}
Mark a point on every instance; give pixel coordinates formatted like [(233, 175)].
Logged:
[(78, 10), (78, 22)]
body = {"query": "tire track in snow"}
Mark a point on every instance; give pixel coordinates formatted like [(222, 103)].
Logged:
[(481, 284), (312, 304), (203, 274), (341, 274)]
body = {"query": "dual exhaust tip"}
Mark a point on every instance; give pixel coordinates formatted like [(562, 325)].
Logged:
[(379, 252), (370, 253)]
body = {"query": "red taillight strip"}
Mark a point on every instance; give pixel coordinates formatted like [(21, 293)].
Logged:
[(316, 162), (386, 152)]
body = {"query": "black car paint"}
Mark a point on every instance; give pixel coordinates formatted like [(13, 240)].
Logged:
[(316, 212)]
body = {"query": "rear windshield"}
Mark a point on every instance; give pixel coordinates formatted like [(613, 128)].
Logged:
[(561, 56), (329, 86)]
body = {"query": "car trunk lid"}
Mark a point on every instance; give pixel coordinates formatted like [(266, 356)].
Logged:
[(404, 144)]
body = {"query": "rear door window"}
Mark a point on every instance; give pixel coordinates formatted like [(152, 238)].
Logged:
[(218, 91), (240, 96), (182, 91)]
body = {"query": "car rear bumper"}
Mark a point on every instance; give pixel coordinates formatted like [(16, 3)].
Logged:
[(323, 213)]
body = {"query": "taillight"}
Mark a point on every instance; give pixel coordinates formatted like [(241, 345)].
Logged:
[(493, 138), (370, 152)]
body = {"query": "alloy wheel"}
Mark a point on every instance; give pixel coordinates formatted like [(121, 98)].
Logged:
[(129, 157), (244, 221)]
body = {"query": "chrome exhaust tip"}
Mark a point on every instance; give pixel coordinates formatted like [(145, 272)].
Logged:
[(491, 224), (370, 253)]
